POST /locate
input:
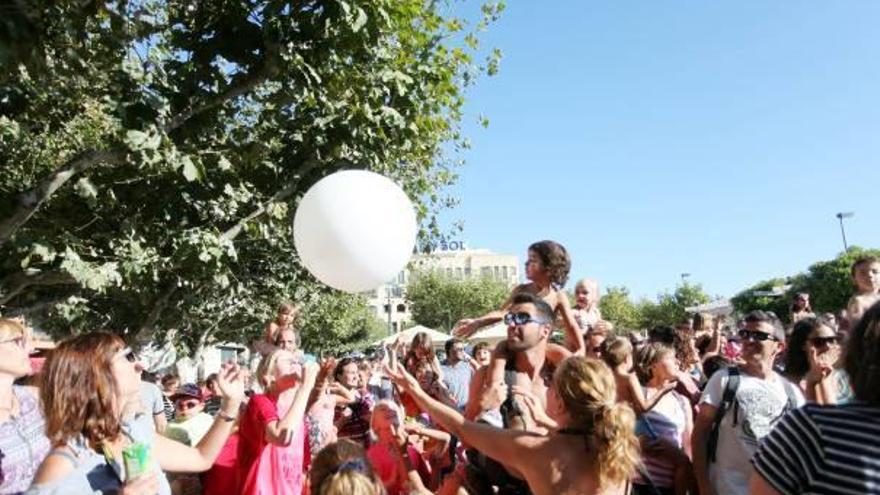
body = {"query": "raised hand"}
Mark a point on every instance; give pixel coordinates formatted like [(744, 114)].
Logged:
[(230, 380), (464, 328), (400, 377)]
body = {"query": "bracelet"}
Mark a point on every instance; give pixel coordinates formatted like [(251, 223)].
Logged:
[(225, 417)]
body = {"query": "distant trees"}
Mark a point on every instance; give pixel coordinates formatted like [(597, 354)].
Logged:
[(438, 301)]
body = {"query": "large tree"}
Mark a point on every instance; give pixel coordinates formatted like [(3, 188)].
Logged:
[(438, 301), (153, 151)]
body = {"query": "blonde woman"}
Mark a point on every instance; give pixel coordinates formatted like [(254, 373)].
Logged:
[(23, 443), (593, 452), (273, 419)]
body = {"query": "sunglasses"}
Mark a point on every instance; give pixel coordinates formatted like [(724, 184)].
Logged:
[(20, 341), (825, 341), (521, 319), (755, 336), (184, 405)]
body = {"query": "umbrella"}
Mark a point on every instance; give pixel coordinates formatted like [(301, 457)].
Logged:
[(437, 338), (491, 334)]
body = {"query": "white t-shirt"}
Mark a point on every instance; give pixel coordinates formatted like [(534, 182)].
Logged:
[(759, 405)]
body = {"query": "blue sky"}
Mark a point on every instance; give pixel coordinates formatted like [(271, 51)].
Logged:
[(656, 138)]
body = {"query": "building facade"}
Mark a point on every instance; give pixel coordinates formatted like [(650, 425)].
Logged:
[(454, 260)]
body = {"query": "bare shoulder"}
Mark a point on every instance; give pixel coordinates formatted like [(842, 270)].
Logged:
[(54, 467)]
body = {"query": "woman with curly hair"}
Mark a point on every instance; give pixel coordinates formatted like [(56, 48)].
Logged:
[(87, 383), (547, 269), (593, 451)]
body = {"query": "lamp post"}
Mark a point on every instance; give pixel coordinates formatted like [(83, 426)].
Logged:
[(840, 216)]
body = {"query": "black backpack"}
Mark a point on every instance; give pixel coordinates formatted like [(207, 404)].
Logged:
[(728, 399)]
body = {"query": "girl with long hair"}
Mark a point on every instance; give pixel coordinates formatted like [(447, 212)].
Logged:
[(86, 384)]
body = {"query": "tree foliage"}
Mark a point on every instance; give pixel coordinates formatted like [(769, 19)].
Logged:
[(153, 151), (829, 284), (618, 308), (438, 301), (668, 309), (670, 306)]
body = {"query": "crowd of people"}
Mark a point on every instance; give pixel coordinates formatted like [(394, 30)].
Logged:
[(567, 404)]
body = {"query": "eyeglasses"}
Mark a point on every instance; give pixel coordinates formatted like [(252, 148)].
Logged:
[(755, 336), (20, 341), (825, 341), (521, 319), (189, 404)]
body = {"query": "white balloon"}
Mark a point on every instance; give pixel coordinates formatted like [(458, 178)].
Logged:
[(355, 230)]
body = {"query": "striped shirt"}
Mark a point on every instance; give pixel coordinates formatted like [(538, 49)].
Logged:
[(823, 450)]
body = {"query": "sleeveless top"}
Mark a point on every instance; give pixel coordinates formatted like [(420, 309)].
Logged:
[(654, 425), (92, 474), (23, 443)]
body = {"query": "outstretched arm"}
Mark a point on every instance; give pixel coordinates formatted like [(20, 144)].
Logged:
[(505, 446), (469, 326)]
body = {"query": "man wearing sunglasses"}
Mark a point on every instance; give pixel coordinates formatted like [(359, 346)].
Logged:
[(529, 321), (190, 422), (739, 407)]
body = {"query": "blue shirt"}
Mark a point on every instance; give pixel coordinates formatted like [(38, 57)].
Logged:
[(457, 379)]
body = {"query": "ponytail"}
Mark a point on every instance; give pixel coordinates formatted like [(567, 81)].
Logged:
[(616, 444), (588, 392)]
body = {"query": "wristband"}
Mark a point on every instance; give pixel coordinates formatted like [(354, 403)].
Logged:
[(225, 417)]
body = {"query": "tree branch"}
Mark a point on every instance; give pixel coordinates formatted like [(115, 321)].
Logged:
[(233, 232), (158, 307), (30, 201), (22, 280), (241, 87)]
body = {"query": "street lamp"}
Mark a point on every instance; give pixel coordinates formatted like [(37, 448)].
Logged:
[(840, 216)]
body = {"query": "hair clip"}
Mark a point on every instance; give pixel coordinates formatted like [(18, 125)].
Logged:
[(355, 464)]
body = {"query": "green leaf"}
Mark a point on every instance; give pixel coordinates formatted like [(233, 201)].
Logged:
[(190, 170)]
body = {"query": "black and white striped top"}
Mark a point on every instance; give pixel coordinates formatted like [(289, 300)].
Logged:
[(823, 450)]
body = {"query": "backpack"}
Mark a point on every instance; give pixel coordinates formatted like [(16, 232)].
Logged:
[(728, 399)]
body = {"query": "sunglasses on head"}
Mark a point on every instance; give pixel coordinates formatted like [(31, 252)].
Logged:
[(521, 319), (755, 336), (824, 341)]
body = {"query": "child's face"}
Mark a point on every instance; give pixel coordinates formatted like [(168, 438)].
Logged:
[(867, 277), (534, 266), (483, 356), (385, 424)]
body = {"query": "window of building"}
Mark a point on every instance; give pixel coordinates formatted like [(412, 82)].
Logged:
[(486, 271), (458, 273), (504, 272), (449, 272), (387, 308), (401, 308), (467, 272), (497, 273)]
